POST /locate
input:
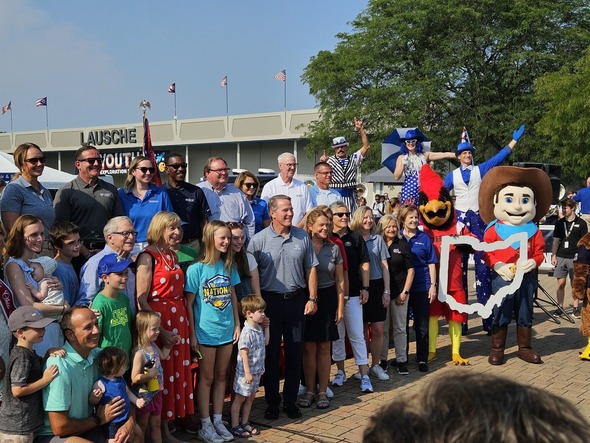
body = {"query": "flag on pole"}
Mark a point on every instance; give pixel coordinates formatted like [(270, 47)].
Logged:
[(148, 151), (172, 88), (223, 82), (281, 76), (41, 102), (465, 136), (7, 108)]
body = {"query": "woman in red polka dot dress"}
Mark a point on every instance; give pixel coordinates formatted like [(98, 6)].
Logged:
[(160, 288)]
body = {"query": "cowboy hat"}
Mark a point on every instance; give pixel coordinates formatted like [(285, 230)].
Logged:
[(534, 178)]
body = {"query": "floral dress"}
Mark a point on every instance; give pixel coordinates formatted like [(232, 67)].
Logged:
[(166, 297)]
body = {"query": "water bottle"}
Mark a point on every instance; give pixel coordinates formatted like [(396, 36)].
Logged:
[(152, 385)]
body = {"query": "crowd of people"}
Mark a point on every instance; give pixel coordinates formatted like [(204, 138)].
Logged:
[(119, 295)]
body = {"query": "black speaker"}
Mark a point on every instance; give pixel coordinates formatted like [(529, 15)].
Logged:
[(552, 170)]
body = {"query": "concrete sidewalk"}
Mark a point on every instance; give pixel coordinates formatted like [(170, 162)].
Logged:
[(562, 373)]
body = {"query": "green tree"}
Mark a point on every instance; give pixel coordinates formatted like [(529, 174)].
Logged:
[(565, 123), (444, 64)]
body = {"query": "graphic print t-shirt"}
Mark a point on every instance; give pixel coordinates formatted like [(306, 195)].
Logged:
[(213, 310)]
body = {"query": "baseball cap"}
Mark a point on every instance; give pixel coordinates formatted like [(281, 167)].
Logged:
[(27, 317), (113, 263)]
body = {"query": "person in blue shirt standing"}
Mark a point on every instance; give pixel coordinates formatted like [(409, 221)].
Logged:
[(465, 180), (142, 199)]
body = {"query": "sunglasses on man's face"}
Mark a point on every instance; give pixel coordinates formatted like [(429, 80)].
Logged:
[(145, 170), (177, 165)]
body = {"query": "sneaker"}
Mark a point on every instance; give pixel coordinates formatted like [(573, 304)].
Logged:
[(423, 366), (402, 369), (329, 392), (577, 313), (223, 432), (339, 378), (366, 385), (209, 435), (378, 372), (302, 390), (356, 376), (383, 364), (557, 312)]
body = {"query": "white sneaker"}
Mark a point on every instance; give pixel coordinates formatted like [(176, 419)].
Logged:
[(208, 435), (366, 385), (339, 378), (378, 372), (357, 375), (302, 390), (223, 432)]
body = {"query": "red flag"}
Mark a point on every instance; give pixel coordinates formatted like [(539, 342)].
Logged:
[(281, 76), (223, 82), (148, 151), (7, 108), (172, 88)]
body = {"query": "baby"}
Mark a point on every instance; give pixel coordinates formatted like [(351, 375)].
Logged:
[(50, 288)]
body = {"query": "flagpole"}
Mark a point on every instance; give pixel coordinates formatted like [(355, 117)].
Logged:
[(47, 122), (227, 106), (175, 115), (11, 130), (285, 98)]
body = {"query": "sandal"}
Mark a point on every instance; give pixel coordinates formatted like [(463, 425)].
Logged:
[(248, 427), (323, 402), (307, 400), (239, 432)]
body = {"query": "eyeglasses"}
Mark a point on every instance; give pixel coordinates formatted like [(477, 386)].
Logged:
[(126, 234), (220, 171), (177, 165), (250, 185), (290, 165), (341, 214), (92, 160), (145, 170), (411, 142), (36, 160)]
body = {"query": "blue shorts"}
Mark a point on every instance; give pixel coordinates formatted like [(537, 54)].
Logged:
[(246, 389)]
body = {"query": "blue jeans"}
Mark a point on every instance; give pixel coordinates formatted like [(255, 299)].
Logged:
[(519, 304)]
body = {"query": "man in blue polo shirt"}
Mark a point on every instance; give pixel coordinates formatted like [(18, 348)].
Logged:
[(188, 200)]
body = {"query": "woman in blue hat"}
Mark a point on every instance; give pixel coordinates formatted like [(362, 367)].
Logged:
[(410, 161)]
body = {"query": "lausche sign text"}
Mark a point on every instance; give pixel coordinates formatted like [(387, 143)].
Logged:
[(109, 137)]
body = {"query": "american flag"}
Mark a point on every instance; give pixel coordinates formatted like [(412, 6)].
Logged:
[(464, 135), (7, 108), (41, 102), (172, 88), (281, 76), (148, 151), (223, 82)]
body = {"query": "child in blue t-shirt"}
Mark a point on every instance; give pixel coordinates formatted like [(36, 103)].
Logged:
[(214, 321), (112, 363)]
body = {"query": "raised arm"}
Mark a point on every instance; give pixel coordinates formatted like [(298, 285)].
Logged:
[(358, 124)]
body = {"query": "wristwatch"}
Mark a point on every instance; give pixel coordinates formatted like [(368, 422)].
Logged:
[(364, 288), (313, 300)]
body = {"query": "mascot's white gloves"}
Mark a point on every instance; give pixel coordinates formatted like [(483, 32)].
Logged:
[(504, 271), (529, 265)]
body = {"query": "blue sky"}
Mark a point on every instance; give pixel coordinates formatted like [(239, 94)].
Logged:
[(95, 61)]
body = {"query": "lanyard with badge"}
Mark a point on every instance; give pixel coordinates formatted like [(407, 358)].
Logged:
[(566, 243)]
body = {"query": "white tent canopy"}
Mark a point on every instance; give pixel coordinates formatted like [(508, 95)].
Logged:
[(51, 178)]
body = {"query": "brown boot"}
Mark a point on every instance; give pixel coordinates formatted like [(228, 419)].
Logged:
[(498, 345), (524, 336)]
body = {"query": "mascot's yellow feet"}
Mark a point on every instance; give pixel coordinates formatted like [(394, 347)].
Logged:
[(585, 355), (459, 361), (431, 356)]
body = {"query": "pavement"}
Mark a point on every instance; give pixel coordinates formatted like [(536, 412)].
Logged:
[(562, 373)]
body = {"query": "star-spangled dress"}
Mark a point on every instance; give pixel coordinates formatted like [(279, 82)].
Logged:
[(410, 188), (166, 297)]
